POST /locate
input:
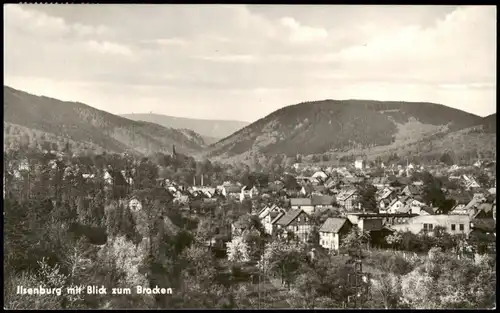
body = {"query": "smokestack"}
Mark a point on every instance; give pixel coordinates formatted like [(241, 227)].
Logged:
[(201, 180), (194, 180)]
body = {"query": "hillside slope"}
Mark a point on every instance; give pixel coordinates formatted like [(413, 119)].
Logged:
[(489, 123), (211, 130), (27, 114), (332, 126)]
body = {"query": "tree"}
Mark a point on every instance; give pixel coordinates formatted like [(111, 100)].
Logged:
[(387, 288), (447, 159), (355, 240), (282, 259), (367, 197), (238, 250), (306, 289)]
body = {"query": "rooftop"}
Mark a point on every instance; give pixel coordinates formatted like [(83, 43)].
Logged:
[(333, 225)]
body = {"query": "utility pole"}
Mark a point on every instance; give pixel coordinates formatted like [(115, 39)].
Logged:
[(357, 263)]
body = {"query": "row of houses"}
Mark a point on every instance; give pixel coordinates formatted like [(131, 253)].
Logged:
[(299, 221)]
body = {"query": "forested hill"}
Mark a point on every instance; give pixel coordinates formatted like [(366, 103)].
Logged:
[(341, 126), (35, 119)]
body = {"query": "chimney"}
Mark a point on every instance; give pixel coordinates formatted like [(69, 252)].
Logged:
[(201, 180), (194, 180)]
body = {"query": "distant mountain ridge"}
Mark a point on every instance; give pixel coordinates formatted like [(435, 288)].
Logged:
[(211, 130), (28, 116), (342, 126)]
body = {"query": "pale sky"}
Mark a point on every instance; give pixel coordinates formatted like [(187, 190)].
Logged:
[(242, 62)]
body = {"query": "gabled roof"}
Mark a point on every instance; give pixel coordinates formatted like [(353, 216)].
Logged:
[(289, 217), (321, 200), (278, 217), (427, 209), (300, 201), (386, 194), (343, 195), (333, 225)]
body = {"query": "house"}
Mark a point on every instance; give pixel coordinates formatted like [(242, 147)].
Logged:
[(469, 182), (332, 231), (347, 199), (386, 219), (233, 191), (412, 191), (377, 225), (267, 215), (296, 221), (453, 224), (416, 206), (248, 192), (321, 175), (207, 191), (380, 182), (459, 209), (424, 210), (274, 225), (385, 197), (358, 164), (322, 202), (397, 206), (302, 204), (113, 177)]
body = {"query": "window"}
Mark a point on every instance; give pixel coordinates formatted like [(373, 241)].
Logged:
[(430, 226), (462, 227), (425, 226), (452, 226)]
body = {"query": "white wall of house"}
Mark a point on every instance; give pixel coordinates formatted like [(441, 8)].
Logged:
[(395, 207), (329, 241), (453, 224), (309, 209)]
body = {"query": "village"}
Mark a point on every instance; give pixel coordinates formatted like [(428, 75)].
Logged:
[(400, 204), (261, 225)]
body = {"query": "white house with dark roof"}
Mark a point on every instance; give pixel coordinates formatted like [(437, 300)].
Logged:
[(332, 231)]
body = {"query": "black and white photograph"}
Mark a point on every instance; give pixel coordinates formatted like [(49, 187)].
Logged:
[(249, 156)]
